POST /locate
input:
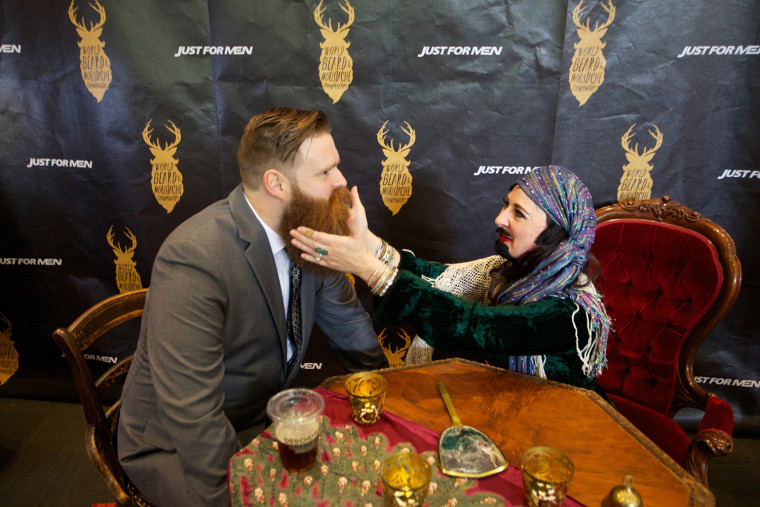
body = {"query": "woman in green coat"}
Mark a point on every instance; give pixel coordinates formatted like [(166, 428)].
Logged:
[(532, 309)]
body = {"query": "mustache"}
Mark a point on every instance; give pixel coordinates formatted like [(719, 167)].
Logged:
[(503, 232), (340, 205), (342, 195)]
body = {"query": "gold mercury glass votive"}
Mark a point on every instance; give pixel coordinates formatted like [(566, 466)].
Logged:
[(406, 479), (546, 474), (366, 395)]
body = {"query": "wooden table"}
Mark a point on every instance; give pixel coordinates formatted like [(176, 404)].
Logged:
[(519, 411)]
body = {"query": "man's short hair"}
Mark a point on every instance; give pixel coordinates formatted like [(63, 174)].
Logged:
[(271, 140)]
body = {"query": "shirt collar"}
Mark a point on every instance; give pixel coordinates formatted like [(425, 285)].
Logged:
[(276, 243)]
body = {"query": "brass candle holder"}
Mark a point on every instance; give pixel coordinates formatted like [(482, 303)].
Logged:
[(366, 396)]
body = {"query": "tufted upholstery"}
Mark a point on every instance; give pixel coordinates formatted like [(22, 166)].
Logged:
[(658, 282), (668, 276)]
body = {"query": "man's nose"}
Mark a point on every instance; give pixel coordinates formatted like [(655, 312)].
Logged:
[(339, 180)]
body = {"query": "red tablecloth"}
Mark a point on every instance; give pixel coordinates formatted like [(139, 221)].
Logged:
[(346, 472)]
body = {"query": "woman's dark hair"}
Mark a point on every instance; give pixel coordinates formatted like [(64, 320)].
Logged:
[(546, 242)]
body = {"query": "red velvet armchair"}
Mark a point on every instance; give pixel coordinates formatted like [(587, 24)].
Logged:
[(668, 276)]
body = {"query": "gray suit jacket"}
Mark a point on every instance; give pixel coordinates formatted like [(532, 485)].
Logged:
[(212, 351)]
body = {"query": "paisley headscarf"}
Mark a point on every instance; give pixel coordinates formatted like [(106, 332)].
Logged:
[(567, 201)]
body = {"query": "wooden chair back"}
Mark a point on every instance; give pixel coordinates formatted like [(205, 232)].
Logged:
[(101, 420)]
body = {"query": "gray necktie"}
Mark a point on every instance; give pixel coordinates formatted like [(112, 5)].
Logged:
[(294, 315)]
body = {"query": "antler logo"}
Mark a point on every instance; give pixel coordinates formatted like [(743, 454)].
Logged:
[(93, 62), (336, 68), (8, 353), (127, 277), (587, 67), (166, 180), (636, 183), (395, 355), (395, 180)]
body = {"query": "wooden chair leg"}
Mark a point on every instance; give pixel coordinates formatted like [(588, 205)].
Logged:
[(704, 446)]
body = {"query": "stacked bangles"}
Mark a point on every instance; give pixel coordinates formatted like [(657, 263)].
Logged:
[(386, 254)]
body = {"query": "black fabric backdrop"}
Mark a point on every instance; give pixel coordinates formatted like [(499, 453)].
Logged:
[(484, 85)]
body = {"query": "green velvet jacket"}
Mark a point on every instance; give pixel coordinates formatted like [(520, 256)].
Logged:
[(446, 322)]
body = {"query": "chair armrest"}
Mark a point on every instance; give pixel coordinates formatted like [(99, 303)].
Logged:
[(713, 437), (719, 416)]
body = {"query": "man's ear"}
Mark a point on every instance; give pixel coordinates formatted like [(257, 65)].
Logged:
[(275, 183)]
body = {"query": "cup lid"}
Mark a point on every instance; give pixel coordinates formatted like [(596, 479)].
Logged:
[(295, 404)]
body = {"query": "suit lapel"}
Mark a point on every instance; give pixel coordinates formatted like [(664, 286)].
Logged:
[(259, 255), (308, 293), (308, 290)]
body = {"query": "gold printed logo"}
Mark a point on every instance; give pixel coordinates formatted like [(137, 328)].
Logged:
[(587, 66), (165, 178), (8, 353), (395, 180), (395, 355), (127, 277), (336, 68), (93, 62), (636, 183)]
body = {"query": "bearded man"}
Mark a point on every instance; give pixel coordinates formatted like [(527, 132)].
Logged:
[(221, 331)]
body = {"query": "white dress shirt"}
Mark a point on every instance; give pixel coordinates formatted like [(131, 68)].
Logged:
[(281, 260)]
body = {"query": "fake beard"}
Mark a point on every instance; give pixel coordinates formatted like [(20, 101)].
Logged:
[(324, 215), (502, 249)]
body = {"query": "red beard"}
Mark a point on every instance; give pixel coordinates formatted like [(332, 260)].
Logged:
[(324, 215)]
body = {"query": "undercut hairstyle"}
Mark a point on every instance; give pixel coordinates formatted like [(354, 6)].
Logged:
[(271, 140)]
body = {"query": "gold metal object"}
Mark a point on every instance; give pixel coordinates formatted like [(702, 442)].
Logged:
[(366, 396), (546, 475), (623, 495), (464, 451), (406, 479)]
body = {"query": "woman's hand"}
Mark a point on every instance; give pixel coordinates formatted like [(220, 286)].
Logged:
[(353, 253), (357, 221)]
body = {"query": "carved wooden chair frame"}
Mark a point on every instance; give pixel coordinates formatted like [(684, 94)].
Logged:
[(710, 443), (101, 421)]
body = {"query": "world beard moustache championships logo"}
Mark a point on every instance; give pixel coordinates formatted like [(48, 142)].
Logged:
[(8, 353), (336, 68), (127, 277), (395, 180), (394, 352), (588, 64), (636, 183), (165, 178), (93, 62)]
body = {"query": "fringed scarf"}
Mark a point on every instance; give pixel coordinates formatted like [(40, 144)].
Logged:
[(567, 201)]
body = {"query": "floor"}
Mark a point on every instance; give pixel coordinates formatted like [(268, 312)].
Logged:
[(43, 461)]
